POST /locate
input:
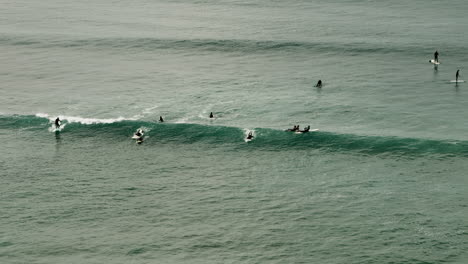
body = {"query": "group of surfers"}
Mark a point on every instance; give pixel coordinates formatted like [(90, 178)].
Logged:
[(139, 134), (296, 129)]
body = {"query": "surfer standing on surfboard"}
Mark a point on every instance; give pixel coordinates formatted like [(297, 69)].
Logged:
[(436, 56), (457, 75), (57, 123)]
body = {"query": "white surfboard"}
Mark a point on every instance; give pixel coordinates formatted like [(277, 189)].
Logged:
[(434, 62), (140, 137), (455, 81), (312, 130)]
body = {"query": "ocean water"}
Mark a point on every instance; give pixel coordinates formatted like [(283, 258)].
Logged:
[(383, 180)]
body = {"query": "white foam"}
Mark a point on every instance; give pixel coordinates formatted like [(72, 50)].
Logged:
[(149, 110), (87, 121), (55, 129), (182, 120), (145, 129)]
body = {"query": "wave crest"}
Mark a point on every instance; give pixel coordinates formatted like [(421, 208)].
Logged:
[(265, 138)]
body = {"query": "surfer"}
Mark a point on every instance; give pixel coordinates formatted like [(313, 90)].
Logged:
[(211, 115), (457, 75), (161, 119), (436, 56), (306, 129), (319, 84), (138, 136), (57, 123), (250, 136), (139, 133)]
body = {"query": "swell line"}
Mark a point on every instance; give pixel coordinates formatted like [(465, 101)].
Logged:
[(214, 45), (265, 138)]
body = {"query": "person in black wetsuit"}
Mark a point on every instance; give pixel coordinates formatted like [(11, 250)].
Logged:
[(57, 123), (250, 136), (161, 119), (138, 133), (319, 84), (211, 115), (436, 56), (306, 129), (457, 75)]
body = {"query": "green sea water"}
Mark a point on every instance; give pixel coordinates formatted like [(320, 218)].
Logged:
[(382, 180)]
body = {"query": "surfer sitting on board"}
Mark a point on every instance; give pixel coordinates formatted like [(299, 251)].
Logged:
[(319, 84), (57, 123), (436, 56)]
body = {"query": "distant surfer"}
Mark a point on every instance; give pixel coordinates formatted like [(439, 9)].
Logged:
[(306, 129), (211, 115), (294, 129), (457, 75), (319, 84), (57, 122), (139, 133), (161, 119), (436, 56), (138, 136), (250, 136)]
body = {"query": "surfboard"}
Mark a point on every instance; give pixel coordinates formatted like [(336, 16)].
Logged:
[(137, 137), (312, 130), (455, 81), (434, 62)]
